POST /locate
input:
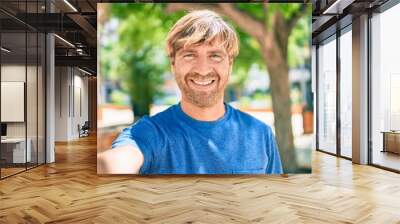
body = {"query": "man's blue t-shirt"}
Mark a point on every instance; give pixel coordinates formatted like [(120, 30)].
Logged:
[(172, 142)]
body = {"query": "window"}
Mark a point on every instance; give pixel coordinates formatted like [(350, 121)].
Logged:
[(327, 95), (385, 88), (346, 92), (22, 75)]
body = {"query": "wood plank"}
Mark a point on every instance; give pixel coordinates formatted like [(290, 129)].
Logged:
[(70, 191)]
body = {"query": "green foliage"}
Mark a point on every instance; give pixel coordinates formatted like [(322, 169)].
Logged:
[(295, 96), (300, 43), (299, 38), (255, 9), (144, 80), (137, 58), (118, 98)]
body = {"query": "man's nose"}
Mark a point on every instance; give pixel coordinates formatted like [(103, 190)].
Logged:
[(202, 66)]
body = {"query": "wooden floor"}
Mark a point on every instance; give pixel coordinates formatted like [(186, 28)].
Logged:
[(387, 159), (10, 171), (70, 191)]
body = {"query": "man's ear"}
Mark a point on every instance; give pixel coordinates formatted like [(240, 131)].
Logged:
[(230, 68), (230, 64), (172, 64), (230, 61)]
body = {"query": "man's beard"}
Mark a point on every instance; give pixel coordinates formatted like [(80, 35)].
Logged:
[(201, 98)]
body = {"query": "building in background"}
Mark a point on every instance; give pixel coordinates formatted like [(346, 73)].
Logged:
[(356, 81)]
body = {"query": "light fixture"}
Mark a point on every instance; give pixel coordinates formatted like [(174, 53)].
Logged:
[(64, 40), (84, 71), (5, 49), (80, 51), (70, 5)]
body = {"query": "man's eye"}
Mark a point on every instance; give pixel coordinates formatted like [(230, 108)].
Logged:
[(188, 56), (216, 57)]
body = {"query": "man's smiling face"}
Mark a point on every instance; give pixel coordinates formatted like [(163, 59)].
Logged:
[(202, 72)]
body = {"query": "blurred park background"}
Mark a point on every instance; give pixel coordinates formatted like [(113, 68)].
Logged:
[(271, 77)]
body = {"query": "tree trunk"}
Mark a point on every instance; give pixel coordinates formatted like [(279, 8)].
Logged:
[(278, 71), (140, 109)]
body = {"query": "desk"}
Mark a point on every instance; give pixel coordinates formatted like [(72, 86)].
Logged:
[(391, 141), (18, 151)]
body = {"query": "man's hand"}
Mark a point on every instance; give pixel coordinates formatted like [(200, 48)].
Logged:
[(125, 159)]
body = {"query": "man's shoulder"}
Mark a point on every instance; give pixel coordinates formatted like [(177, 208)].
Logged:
[(249, 121), (152, 127), (163, 115), (157, 119)]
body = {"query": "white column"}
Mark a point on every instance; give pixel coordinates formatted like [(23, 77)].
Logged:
[(50, 92), (360, 90)]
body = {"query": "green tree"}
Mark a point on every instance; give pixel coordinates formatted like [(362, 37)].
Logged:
[(136, 59), (142, 79)]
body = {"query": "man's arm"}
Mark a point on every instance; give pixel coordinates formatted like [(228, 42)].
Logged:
[(274, 164), (126, 159)]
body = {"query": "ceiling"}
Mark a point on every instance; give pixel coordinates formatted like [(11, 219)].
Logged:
[(74, 22), (329, 15)]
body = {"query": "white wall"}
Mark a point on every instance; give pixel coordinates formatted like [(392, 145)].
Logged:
[(61, 103), (80, 109), (71, 94)]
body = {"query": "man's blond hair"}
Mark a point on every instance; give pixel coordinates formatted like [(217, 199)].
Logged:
[(202, 26)]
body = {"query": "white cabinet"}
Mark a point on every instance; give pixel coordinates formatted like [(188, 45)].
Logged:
[(19, 155)]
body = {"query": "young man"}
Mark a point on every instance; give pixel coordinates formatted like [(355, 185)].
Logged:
[(201, 134)]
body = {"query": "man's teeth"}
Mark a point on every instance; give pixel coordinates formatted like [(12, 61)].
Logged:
[(203, 83)]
